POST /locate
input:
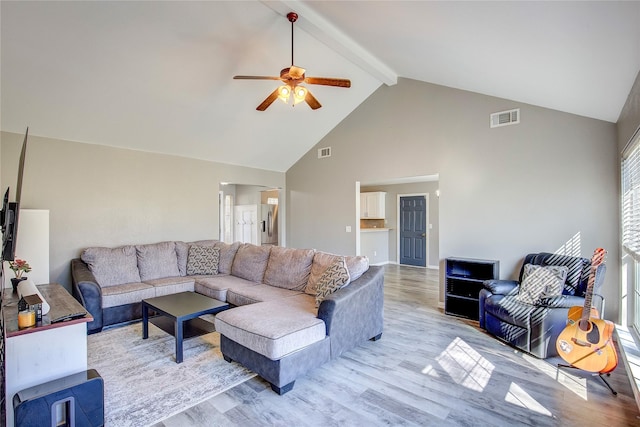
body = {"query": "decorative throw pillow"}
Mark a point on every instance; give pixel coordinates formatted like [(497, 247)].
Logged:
[(356, 265), (203, 260), (540, 282), (334, 278)]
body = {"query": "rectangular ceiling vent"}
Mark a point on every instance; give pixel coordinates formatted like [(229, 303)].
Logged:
[(504, 118), (324, 152)]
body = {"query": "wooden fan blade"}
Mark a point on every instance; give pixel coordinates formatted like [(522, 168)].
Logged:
[(327, 81), (268, 101), (312, 101), (256, 78)]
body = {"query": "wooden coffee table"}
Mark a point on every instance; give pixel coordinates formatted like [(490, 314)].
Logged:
[(178, 315)]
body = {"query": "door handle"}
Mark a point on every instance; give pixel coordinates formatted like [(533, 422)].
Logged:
[(424, 234)]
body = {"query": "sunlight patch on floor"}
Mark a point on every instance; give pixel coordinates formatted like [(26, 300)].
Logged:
[(575, 384), (429, 370), (465, 366), (517, 396)]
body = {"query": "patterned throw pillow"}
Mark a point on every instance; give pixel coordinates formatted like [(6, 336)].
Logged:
[(203, 260), (334, 278), (540, 282)]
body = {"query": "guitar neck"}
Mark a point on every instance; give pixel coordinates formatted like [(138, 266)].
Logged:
[(586, 309), (596, 260)]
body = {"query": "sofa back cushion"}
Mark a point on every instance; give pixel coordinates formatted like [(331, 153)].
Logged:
[(208, 242), (112, 266), (356, 265), (157, 260), (227, 254), (182, 254), (250, 262), (289, 268)]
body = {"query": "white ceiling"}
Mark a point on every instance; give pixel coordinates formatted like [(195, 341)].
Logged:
[(157, 76)]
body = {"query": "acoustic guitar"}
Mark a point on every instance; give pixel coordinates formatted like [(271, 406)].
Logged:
[(586, 342)]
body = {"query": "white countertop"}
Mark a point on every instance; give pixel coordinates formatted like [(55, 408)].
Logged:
[(369, 230)]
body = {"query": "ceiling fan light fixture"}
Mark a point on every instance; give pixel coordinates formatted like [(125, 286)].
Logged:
[(299, 94), (284, 92)]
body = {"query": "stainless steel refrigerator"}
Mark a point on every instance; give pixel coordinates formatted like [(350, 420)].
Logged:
[(269, 224)]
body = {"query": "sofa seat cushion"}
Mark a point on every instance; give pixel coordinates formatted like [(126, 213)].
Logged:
[(250, 262), (112, 266), (157, 260), (127, 293), (216, 287), (253, 294), (172, 285), (273, 328), (289, 268), (509, 309)]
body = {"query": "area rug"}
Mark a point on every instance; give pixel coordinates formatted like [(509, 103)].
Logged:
[(142, 382)]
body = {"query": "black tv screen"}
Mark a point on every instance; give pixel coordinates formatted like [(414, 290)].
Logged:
[(11, 211), (5, 206), (10, 233)]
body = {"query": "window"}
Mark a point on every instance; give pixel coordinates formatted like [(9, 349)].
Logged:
[(630, 169), (228, 218)]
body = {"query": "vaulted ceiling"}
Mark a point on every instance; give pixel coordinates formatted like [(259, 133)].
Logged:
[(157, 76)]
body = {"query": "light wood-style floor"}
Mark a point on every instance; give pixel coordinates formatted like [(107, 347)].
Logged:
[(428, 369)]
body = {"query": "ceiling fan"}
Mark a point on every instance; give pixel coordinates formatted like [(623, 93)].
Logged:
[(292, 77)]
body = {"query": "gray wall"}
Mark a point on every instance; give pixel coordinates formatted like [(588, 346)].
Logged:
[(504, 192), (391, 210), (104, 196), (629, 120)]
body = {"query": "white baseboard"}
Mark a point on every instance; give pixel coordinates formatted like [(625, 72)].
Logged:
[(382, 263), (430, 267)]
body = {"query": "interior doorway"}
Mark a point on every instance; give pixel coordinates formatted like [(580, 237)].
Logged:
[(428, 186), (250, 214)]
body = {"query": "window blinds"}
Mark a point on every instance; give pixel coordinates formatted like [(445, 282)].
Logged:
[(631, 198)]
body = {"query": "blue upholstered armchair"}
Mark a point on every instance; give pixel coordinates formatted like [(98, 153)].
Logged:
[(535, 328)]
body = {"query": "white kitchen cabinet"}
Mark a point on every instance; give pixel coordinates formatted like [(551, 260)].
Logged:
[(372, 205)]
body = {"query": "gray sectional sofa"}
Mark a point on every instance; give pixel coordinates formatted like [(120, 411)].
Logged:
[(278, 326)]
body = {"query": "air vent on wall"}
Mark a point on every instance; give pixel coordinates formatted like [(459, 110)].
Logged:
[(504, 118), (324, 152)]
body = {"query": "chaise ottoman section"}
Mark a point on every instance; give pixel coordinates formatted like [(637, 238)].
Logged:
[(273, 329), (259, 293), (216, 287)]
